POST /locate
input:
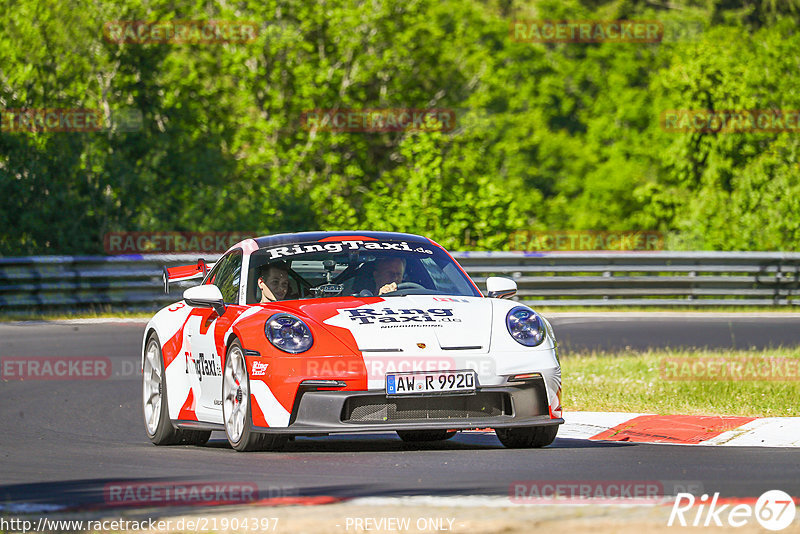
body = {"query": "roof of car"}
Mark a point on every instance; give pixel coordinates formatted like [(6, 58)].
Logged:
[(305, 237)]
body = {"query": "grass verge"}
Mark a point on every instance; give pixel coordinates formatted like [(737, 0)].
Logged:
[(702, 382)]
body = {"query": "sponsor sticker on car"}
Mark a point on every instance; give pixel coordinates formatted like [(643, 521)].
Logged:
[(259, 369), (434, 382), (337, 247)]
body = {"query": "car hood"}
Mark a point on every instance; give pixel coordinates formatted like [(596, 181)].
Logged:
[(418, 324), (419, 333)]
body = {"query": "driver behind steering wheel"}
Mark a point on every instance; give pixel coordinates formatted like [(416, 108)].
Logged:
[(387, 274)]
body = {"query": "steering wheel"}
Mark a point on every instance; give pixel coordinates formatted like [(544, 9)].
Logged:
[(406, 285), (409, 285)]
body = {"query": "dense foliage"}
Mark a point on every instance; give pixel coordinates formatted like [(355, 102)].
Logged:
[(561, 136)]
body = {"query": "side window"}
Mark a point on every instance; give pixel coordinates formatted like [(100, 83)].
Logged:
[(227, 275)]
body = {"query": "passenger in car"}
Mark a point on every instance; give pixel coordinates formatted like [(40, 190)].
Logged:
[(273, 281)]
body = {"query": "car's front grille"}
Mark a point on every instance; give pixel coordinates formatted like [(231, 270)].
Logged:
[(380, 409)]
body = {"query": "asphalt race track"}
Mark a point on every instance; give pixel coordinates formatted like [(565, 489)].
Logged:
[(617, 333), (64, 440)]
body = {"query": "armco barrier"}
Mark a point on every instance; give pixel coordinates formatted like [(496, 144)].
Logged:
[(661, 278), (543, 278), (64, 282)]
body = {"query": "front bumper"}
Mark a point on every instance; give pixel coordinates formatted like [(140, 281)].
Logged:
[(517, 404)]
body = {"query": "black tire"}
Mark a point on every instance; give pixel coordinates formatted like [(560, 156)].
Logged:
[(195, 437), (527, 437), (160, 430), (416, 436), (247, 439)]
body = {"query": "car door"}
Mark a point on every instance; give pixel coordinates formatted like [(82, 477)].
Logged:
[(203, 363)]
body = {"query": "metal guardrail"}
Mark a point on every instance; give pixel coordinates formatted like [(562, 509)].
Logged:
[(62, 282), (543, 279), (644, 278)]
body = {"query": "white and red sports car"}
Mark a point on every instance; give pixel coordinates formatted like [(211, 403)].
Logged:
[(373, 332)]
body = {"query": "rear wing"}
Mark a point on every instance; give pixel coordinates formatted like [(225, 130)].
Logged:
[(185, 272)]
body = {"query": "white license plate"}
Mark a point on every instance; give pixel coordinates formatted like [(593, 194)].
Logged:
[(430, 382)]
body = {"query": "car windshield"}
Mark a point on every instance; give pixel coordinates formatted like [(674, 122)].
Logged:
[(361, 268)]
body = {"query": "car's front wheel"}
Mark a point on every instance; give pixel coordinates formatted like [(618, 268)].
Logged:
[(154, 402), (415, 436), (236, 410), (527, 437)]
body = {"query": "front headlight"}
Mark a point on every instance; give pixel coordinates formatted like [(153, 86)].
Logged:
[(288, 333), (525, 326)]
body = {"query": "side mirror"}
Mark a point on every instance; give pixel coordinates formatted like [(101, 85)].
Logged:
[(205, 296), (500, 288)]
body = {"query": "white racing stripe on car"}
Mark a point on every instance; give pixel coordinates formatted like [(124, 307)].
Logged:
[(248, 313), (179, 383), (168, 323), (275, 414)]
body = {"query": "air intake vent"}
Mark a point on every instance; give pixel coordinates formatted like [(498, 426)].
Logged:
[(379, 409)]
